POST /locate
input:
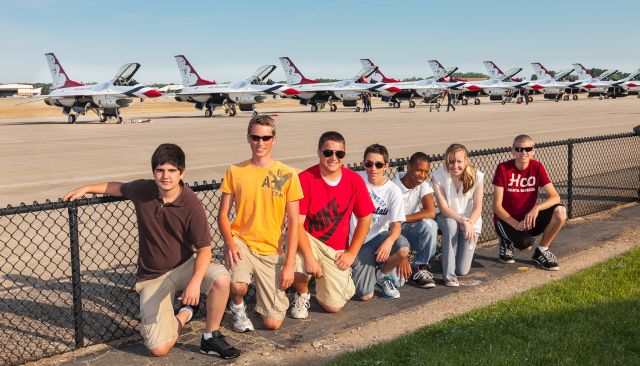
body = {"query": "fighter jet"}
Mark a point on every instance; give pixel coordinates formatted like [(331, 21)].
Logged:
[(246, 93), (104, 99), (464, 91), (600, 86), (551, 85), (318, 94), (501, 84), (424, 89)]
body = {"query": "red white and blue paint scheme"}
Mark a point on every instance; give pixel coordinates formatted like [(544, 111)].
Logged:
[(317, 94), (600, 86), (551, 85), (209, 95), (425, 89), (104, 99)]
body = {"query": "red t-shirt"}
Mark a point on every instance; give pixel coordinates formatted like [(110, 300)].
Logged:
[(328, 209), (520, 187)]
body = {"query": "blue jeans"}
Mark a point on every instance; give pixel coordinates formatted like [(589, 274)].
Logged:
[(422, 238), (364, 267)]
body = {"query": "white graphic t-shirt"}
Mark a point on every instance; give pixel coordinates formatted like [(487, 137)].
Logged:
[(387, 200), (412, 198)]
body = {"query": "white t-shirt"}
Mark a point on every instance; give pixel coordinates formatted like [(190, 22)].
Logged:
[(412, 198), (389, 208), (457, 201)]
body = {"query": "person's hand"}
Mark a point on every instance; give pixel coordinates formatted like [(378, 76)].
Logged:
[(404, 269), (232, 255), (530, 218), (75, 194), (382, 254), (469, 232), (312, 267), (191, 294), (344, 260), (286, 277)]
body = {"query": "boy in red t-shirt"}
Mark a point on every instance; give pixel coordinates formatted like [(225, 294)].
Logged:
[(331, 194), (518, 216)]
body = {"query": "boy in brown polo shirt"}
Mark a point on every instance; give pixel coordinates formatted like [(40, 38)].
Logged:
[(174, 255)]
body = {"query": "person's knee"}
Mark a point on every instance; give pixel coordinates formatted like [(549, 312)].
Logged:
[(329, 308), (462, 272), (239, 288), (222, 282), (271, 324), (560, 213), (162, 350), (403, 252)]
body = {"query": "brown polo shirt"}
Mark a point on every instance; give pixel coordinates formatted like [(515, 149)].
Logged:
[(168, 232)]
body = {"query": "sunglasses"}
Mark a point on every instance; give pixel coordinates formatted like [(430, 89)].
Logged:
[(369, 164), (338, 153), (521, 149), (256, 138)]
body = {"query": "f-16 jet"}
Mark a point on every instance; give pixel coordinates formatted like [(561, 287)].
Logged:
[(105, 99), (501, 84), (600, 86), (425, 89), (209, 95), (551, 85), (317, 94)]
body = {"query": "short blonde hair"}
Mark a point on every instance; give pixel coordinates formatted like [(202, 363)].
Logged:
[(522, 138), (262, 120)]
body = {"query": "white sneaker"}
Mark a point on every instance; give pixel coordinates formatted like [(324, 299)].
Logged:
[(241, 323), (385, 285), (300, 306)]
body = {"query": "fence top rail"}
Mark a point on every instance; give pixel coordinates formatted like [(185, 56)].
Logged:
[(400, 162)]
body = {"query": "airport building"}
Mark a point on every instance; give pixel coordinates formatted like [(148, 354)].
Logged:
[(171, 88), (21, 90)]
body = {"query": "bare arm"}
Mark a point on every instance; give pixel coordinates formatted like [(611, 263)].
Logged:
[(384, 250), (345, 259), (292, 211), (428, 210), (311, 265), (552, 198), (110, 188), (444, 206), (191, 293), (498, 193), (477, 203), (232, 253)]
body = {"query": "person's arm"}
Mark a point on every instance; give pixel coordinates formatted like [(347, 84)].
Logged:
[(286, 275), (498, 193), (553, 198), (382, 254), (447, 211), (428, 210), (477, 203), (110, 188), (232, 254), (311, 265), (191, 293), (345, 259)]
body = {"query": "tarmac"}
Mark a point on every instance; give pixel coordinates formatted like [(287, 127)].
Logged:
[(317, 338)]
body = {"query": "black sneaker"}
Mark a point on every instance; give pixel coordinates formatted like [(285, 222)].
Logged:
[(217, 345), (506, 252), (546, 260), (421, 277)]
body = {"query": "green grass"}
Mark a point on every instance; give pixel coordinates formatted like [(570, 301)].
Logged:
[(590, 318)]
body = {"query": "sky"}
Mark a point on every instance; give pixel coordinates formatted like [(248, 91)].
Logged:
[(227, 41)]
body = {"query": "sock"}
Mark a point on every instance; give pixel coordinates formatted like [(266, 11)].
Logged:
[(206, 335), (305, 295), (189, 309), (236, 307), (543, 249)]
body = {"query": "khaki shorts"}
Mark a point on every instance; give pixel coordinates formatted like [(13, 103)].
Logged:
[(158, 323), (264, 272), (335, 287)]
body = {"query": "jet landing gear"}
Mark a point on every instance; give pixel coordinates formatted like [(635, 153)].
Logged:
[(332, 107), (208, 112), (412, 104), (71, 119)]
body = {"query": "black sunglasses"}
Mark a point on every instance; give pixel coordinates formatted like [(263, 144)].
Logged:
[(521, 149), (257, 138), (339, 153), (369, 164)]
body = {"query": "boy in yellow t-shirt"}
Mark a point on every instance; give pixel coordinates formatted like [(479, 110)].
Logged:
[(262, 191)]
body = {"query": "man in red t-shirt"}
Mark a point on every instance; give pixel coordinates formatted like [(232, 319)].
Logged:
[(518, 216), (331, 194)]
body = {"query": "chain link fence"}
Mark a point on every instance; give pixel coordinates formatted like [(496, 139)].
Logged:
[(68, 269)]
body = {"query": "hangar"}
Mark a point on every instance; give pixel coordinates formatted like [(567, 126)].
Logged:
[(22, 90)]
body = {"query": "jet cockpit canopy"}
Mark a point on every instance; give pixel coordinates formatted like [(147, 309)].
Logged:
[(124, 76), (259, 76)]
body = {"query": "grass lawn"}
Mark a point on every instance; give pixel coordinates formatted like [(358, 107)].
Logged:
[(590, 318)]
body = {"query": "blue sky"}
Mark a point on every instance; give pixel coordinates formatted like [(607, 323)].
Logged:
[(227, 41)]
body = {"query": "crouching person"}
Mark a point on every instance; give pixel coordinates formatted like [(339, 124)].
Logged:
[(174, 255), (384, 248)]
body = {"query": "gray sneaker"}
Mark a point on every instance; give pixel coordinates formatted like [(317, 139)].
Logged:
[(300, 306), (421, 277), (386, 287), (241, 323)]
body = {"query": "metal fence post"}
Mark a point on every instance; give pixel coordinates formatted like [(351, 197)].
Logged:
[(570, 179), (75, 277)]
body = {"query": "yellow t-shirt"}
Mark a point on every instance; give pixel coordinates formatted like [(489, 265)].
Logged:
[(260, 196)]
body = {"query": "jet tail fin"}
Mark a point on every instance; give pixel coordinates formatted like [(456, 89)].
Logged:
[(582, 72), (541, 72), (294, 76), (189, 75), (438, 70), (377, 76), (58, 75), (494, 70)]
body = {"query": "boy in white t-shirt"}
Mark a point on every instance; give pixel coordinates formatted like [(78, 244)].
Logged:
[(384, 247)]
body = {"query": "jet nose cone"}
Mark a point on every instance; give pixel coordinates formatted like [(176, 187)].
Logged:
[(393, 89), (152, 93), (291, 91)]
